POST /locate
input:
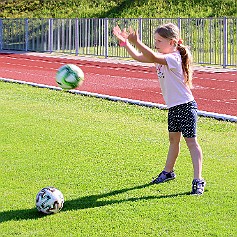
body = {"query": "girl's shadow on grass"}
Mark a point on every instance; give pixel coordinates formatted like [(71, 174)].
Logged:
[(90, 201)]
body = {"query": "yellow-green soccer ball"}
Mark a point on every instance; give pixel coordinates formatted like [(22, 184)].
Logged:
[(69, 76)]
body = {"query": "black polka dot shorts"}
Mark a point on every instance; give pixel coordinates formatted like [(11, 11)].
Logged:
[(183, 118)]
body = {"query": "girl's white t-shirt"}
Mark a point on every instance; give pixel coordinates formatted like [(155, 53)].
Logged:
[(173, 87)]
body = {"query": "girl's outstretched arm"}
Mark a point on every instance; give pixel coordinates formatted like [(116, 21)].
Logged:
[(147, 52), (122, 36)]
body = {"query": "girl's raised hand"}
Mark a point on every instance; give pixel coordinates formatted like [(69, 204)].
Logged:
[(133, 36), (121, 35)]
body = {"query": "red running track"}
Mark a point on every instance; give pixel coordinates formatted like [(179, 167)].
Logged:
[(214, 92)]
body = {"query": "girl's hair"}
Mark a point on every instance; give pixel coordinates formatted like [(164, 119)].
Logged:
[(171, 31)]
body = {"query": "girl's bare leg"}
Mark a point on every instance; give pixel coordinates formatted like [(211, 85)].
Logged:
[(174, 148), (196, 154)]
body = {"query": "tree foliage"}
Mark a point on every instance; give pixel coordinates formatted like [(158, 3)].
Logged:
[(117, 8)]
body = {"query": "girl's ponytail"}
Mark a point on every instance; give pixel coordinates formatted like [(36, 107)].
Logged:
[(186, 64)]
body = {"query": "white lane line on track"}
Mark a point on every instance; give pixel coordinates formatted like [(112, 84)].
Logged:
[(128, 88), (114, 76), (211, 88), (26, 73), (126, 100), (218, 101), (96, 74), (120, 67), (92, 83), (80, 65), (213, 79)]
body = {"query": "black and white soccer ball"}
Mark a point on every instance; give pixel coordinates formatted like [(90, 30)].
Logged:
[(49, 200)]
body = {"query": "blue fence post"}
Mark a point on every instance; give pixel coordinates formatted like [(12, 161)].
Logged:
[(50, 37), (76, 37), (106, 35), (225, 41), (179, 23), (26, 34), (140, 28), (1, 35)]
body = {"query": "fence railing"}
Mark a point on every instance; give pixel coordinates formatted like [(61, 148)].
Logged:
[(213, 41)]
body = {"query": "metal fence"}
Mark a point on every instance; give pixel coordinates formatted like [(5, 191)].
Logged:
[(213, 41)]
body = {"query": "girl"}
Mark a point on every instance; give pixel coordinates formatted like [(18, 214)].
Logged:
[(173, 65)]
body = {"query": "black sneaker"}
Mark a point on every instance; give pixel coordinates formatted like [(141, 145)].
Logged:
[(163, 177), (198, 186)]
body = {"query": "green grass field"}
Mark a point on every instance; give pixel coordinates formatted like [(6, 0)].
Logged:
[(102, 155)]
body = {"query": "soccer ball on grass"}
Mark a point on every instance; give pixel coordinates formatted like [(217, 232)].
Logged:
[(49, 200), (69, 76)]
